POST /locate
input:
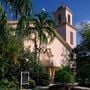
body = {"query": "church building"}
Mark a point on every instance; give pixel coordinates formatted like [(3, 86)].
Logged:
[(56, 54), (59, 49)]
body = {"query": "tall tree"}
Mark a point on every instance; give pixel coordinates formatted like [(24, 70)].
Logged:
[(23, 9), (3, 32), (20, 7), (83, 57), (43, 29), (9, 50), (8, 42)]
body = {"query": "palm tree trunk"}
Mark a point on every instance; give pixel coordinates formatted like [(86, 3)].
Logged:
[(39, 49), (35, 45)]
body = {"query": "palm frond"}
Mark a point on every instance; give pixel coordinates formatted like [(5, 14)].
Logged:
[(44, 26), (20, 7)]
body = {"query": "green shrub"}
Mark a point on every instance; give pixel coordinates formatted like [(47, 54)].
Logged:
[(40, 76), (83, 74), (32, 84), (44, 79), (64, 75), (5, 83)]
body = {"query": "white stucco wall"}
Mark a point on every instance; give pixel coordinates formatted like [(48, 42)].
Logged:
[(66, 14), (13, 24), (62, 31), (58, 50), (68, 30), (60, 54)]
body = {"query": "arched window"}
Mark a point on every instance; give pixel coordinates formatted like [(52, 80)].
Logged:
[(69, 19)]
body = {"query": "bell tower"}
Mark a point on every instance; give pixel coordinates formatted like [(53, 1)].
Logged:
[(63, 17)]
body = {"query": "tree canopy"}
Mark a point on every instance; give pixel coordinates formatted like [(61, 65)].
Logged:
[(83, 57), (20, 7), (12, 54)]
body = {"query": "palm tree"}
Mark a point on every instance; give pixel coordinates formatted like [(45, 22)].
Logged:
[(43, 28), (9, 47), (23, 26), (20, 7), (3, 31)]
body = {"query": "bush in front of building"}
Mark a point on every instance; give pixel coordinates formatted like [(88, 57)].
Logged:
[(41, 77), (65, 75), (44, 79), (32, 84), (83, 75)]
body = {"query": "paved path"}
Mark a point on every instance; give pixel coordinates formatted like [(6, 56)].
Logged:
[(82, 88)]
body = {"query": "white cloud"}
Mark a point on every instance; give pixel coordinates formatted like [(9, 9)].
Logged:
[(82, 24)]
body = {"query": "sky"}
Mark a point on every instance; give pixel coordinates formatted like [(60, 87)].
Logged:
[(80, 9)]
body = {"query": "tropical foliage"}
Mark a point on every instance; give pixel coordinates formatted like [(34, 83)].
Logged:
[(20, 7), (37, 72), (83, 57), (44, 27), (65, 75), (9, 50), (43, 30), (13, 57)]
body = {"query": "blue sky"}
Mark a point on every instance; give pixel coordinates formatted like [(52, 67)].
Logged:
[(80, 9)]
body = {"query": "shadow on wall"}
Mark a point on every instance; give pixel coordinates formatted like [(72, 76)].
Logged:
[(65, 56)]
